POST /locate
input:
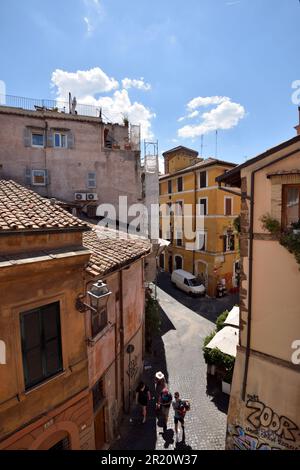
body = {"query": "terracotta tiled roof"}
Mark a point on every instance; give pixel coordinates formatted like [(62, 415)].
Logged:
[(202, 164), (112, 249), (22, 209)]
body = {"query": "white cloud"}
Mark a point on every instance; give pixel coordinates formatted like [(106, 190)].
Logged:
[(225, 115), (193, 114), (189, 116), (140, 84), (118, 105), (82, 83), (89, 26), (206, 101), (86, 85), (94, 14)]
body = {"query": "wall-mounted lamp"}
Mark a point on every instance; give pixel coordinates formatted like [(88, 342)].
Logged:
[(98, 296)]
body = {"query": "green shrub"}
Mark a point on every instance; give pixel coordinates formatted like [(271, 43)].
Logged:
[(296, 225), (291, 242), (237, 224), (208, 339), (218, 358), (221, 319), (270, 224)]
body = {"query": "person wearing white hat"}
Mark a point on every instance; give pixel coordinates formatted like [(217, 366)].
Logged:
[(160, 384)]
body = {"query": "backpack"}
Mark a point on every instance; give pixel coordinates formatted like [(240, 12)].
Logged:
[(166, 398), (183, 408)]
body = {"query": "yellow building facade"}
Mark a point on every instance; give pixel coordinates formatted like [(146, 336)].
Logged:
[(206, 246)]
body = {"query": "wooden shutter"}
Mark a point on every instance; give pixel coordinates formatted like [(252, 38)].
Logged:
[(27, 137), (47, 177), (203, 179), (50, 137), (228, 206), (70, 140), (27, 176), (41, 344), (32, 348), (179, 184), (52, 339)]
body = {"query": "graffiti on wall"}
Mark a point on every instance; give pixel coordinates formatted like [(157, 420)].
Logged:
[(264, 429), (133, 368), (245, 441)]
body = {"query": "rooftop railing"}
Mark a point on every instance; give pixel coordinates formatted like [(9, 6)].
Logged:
[(131, 142), (32, 104)]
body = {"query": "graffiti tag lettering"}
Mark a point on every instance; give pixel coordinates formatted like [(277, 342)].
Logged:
[(133, 368), (263, 416), (245, 441)]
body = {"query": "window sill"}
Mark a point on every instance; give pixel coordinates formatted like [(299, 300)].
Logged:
[(62, 373), (92, 341)]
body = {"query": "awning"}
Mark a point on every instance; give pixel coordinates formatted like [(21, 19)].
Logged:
[(233, 318), (226, 340)]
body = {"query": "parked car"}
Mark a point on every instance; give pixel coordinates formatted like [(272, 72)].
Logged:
[(187, 282)]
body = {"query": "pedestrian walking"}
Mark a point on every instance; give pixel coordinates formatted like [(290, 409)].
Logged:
[(143, 396), (180, 408), (165, 401), (160, 384)]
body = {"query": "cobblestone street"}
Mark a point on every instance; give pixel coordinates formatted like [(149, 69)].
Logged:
[(178, 353)]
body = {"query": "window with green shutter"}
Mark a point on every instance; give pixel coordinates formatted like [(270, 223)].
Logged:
[(41, 344)]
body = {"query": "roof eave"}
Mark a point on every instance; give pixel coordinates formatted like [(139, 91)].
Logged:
[(44, 230)]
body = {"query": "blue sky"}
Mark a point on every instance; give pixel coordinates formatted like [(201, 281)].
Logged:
[(241, 56)]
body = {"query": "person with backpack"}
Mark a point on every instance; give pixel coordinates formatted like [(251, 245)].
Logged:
[(165, 401), (180, 408)]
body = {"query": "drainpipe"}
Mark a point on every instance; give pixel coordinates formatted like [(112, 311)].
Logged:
[(122, 365), (45, 153), (194, 217)]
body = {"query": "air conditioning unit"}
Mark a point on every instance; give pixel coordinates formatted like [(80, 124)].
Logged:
[(92, 197), (80, 196)]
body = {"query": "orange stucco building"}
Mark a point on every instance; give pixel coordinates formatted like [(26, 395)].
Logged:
[(188, 188), (65, 373)]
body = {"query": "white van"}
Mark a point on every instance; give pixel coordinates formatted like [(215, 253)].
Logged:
[(187, 282)]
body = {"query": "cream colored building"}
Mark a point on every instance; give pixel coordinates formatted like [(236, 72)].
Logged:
[(264, 411)]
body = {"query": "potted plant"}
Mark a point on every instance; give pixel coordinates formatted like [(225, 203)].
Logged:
[(226, 381), (296, 227), (211, 367)]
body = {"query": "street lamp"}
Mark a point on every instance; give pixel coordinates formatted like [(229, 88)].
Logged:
[(98, 296)]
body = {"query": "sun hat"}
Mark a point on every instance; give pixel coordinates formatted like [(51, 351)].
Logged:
[(159, 375)]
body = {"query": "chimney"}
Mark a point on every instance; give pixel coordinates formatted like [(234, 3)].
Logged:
[(298, 126)]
